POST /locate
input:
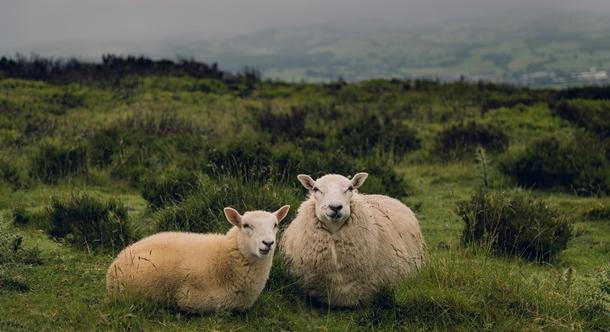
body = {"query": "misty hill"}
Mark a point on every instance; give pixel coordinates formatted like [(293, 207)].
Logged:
[(496, 46)]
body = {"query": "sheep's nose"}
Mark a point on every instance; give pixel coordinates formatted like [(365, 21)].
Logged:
[(336, 208), (268, 243)]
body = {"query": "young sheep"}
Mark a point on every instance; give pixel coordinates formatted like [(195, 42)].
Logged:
[(344, 246), (201, 272)]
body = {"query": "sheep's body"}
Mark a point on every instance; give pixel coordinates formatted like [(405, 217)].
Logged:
[(379, 244), (197, 272)]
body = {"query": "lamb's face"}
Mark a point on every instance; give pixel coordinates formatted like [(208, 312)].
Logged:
[(257, 229), (333, 194)]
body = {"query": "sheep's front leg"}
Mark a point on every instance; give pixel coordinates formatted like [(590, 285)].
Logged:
[(193, 299)]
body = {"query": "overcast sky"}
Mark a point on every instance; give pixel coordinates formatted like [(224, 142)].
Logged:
[(24, 23)]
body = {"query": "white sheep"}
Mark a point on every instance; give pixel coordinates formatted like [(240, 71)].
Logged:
[(201, 272), (343, 247)]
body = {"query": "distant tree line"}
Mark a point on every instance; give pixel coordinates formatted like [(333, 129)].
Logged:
[(113, 68)]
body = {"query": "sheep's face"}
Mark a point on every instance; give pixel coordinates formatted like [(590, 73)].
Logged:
[(333, 194), (257, 230)]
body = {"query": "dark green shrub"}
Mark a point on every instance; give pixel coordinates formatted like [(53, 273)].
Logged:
[(362, 134), (383, 179), (171, 186), (462, 140), (103, 145), (51, 162), (20, 215), (11, 173), (203, 210), (89, 222), (289, 125), (514, 223), (58, 103), (593, 115), (137, 161), (247, 156), (577, 164)]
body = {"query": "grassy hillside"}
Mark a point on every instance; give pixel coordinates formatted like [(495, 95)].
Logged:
[(139, 152)]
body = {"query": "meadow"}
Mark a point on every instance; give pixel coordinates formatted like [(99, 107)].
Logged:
[(94, 157)]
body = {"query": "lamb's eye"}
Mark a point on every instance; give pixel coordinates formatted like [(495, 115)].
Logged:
[(351, 188), (247, 226), (275, 226), (316, 190)]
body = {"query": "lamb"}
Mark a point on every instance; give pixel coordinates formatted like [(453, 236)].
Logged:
[(343, 246), (201, 272)]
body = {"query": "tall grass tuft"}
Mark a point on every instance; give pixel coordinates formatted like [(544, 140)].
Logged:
[(514, 223), (52, 162), (169, 187), (458, 291), (202, 211), (578, 164), (462, 140), (89, 222)]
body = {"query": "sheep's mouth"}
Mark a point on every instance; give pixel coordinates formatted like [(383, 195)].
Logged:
[(264, 251), (334, 216)]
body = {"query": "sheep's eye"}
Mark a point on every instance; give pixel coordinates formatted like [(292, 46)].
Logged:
[(275, 226), (315, 189), (247, 226), (351, 188)]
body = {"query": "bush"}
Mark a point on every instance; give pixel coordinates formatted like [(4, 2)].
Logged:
[(103, 145), (171, 186), (462, 140), (246, 156), (363, 134), (20, 215), (286, 125), (52, 162), (593, 115), (136, 162), (12, 174), (383, 179), (88, 222), (203, 210), (514, 224), (553, 162)]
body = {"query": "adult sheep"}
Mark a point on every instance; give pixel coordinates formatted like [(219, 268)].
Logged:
[(201, 272), (343, 246)]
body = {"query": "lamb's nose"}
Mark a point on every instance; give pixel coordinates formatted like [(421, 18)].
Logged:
[(336, 208), (268, 243)]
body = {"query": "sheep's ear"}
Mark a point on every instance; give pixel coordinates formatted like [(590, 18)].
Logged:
[(306, 181), (233, 216), (282, 212), (358, 179)]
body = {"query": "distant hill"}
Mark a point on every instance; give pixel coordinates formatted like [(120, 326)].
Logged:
[(542, 47), (529, 47)]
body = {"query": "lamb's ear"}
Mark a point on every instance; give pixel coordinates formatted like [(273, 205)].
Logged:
[(233, 216), (306, 181), (282, 212), (358, 179)]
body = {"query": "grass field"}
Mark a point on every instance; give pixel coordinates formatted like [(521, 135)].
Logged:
[(114, 140)]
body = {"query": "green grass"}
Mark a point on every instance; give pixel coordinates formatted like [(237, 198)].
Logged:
[(458, 289)]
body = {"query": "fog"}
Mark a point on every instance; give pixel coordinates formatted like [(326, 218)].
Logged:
[(45, 25)]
